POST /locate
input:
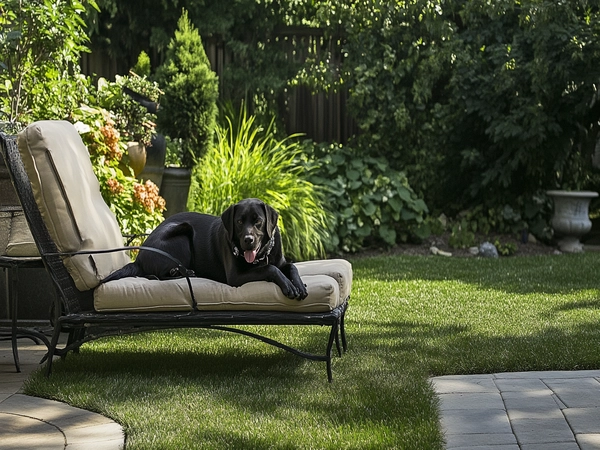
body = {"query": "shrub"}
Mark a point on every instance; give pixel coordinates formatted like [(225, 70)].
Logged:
[(188, 110), (249, 161), (371, 203), (142, 66)]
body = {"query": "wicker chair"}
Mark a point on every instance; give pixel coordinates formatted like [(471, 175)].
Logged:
[(79, 241)]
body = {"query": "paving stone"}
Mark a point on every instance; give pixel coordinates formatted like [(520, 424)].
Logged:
[(93, 434), (588, 441), (456, 441), (555, 446), (519, 385), (577, 393), (464, 384), (106, 445), (540, 431), (488, 447), (583, 420), (24, 432), (531, 401), (550, 375), (462, 421), (477, 400)]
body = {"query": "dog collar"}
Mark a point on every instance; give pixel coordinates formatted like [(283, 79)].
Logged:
[(271, 244)]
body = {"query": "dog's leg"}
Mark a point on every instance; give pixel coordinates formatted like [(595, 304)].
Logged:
[(266, 273)]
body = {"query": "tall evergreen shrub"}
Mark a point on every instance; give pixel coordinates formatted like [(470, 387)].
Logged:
[(188, 109)]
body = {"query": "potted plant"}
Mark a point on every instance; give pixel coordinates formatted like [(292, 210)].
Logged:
[(187, 112), (133, 100)]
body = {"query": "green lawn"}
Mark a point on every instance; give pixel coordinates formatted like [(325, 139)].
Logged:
[(409, 318)]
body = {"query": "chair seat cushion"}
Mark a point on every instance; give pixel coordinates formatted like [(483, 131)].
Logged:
[(328, 283)]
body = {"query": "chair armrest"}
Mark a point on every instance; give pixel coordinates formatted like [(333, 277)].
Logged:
[(129, 238)]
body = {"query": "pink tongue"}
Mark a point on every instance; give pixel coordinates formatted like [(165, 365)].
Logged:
[(250, 256)]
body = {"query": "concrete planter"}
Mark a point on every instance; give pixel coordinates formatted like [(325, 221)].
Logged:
[(571, 218), (175, 188)]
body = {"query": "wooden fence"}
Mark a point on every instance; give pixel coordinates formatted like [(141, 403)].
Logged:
[(322, 117)]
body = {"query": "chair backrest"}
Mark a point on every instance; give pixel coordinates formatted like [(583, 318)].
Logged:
[(68, 196), (60, 197)]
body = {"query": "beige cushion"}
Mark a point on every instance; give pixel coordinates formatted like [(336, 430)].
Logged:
[(15, 237), (143, 295), (5, 220), (20, 240), (339, 269), (68, 196)]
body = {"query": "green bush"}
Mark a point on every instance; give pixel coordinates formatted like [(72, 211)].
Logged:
[(249, 161), (142, 66), (189, 105), (371, 203)]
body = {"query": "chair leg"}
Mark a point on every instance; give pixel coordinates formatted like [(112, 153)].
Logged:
[(343, 333), (332, 337), (52, 349)]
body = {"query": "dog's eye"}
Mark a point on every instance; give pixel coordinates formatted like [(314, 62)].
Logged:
[(258, 223), (240, 222)]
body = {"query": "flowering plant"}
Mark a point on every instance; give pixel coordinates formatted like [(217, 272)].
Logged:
[(137, 206)]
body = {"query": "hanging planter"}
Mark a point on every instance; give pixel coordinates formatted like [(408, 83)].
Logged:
[(571, 218)]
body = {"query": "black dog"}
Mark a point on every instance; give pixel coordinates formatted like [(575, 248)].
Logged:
[(242, 245)]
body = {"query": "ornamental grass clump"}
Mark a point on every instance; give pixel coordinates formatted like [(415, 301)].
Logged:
[(248, 161)]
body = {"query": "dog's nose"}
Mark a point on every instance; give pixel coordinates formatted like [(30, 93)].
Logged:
[(249, 240)]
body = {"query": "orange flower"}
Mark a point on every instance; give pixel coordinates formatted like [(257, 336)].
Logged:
[(114, 186), (147, 195)]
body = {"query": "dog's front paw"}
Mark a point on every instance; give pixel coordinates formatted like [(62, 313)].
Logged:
[(290, 290), (302, 292)]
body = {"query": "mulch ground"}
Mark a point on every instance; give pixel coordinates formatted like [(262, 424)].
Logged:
[(441, 243)]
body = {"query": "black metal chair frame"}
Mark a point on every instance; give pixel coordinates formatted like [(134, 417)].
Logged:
[(11, 266), (83, 324)]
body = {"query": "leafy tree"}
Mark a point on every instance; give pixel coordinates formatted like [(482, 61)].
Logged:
[(480, 103), (40, 44), (527, 78)]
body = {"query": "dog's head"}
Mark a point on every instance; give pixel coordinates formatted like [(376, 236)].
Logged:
[(250, 225)]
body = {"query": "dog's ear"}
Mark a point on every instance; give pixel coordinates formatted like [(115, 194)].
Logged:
[(272, 217), (227, 219)]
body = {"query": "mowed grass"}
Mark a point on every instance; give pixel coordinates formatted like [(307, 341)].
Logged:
[(410, 318)]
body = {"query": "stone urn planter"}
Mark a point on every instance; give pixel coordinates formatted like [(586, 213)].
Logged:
[(571, 218)]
